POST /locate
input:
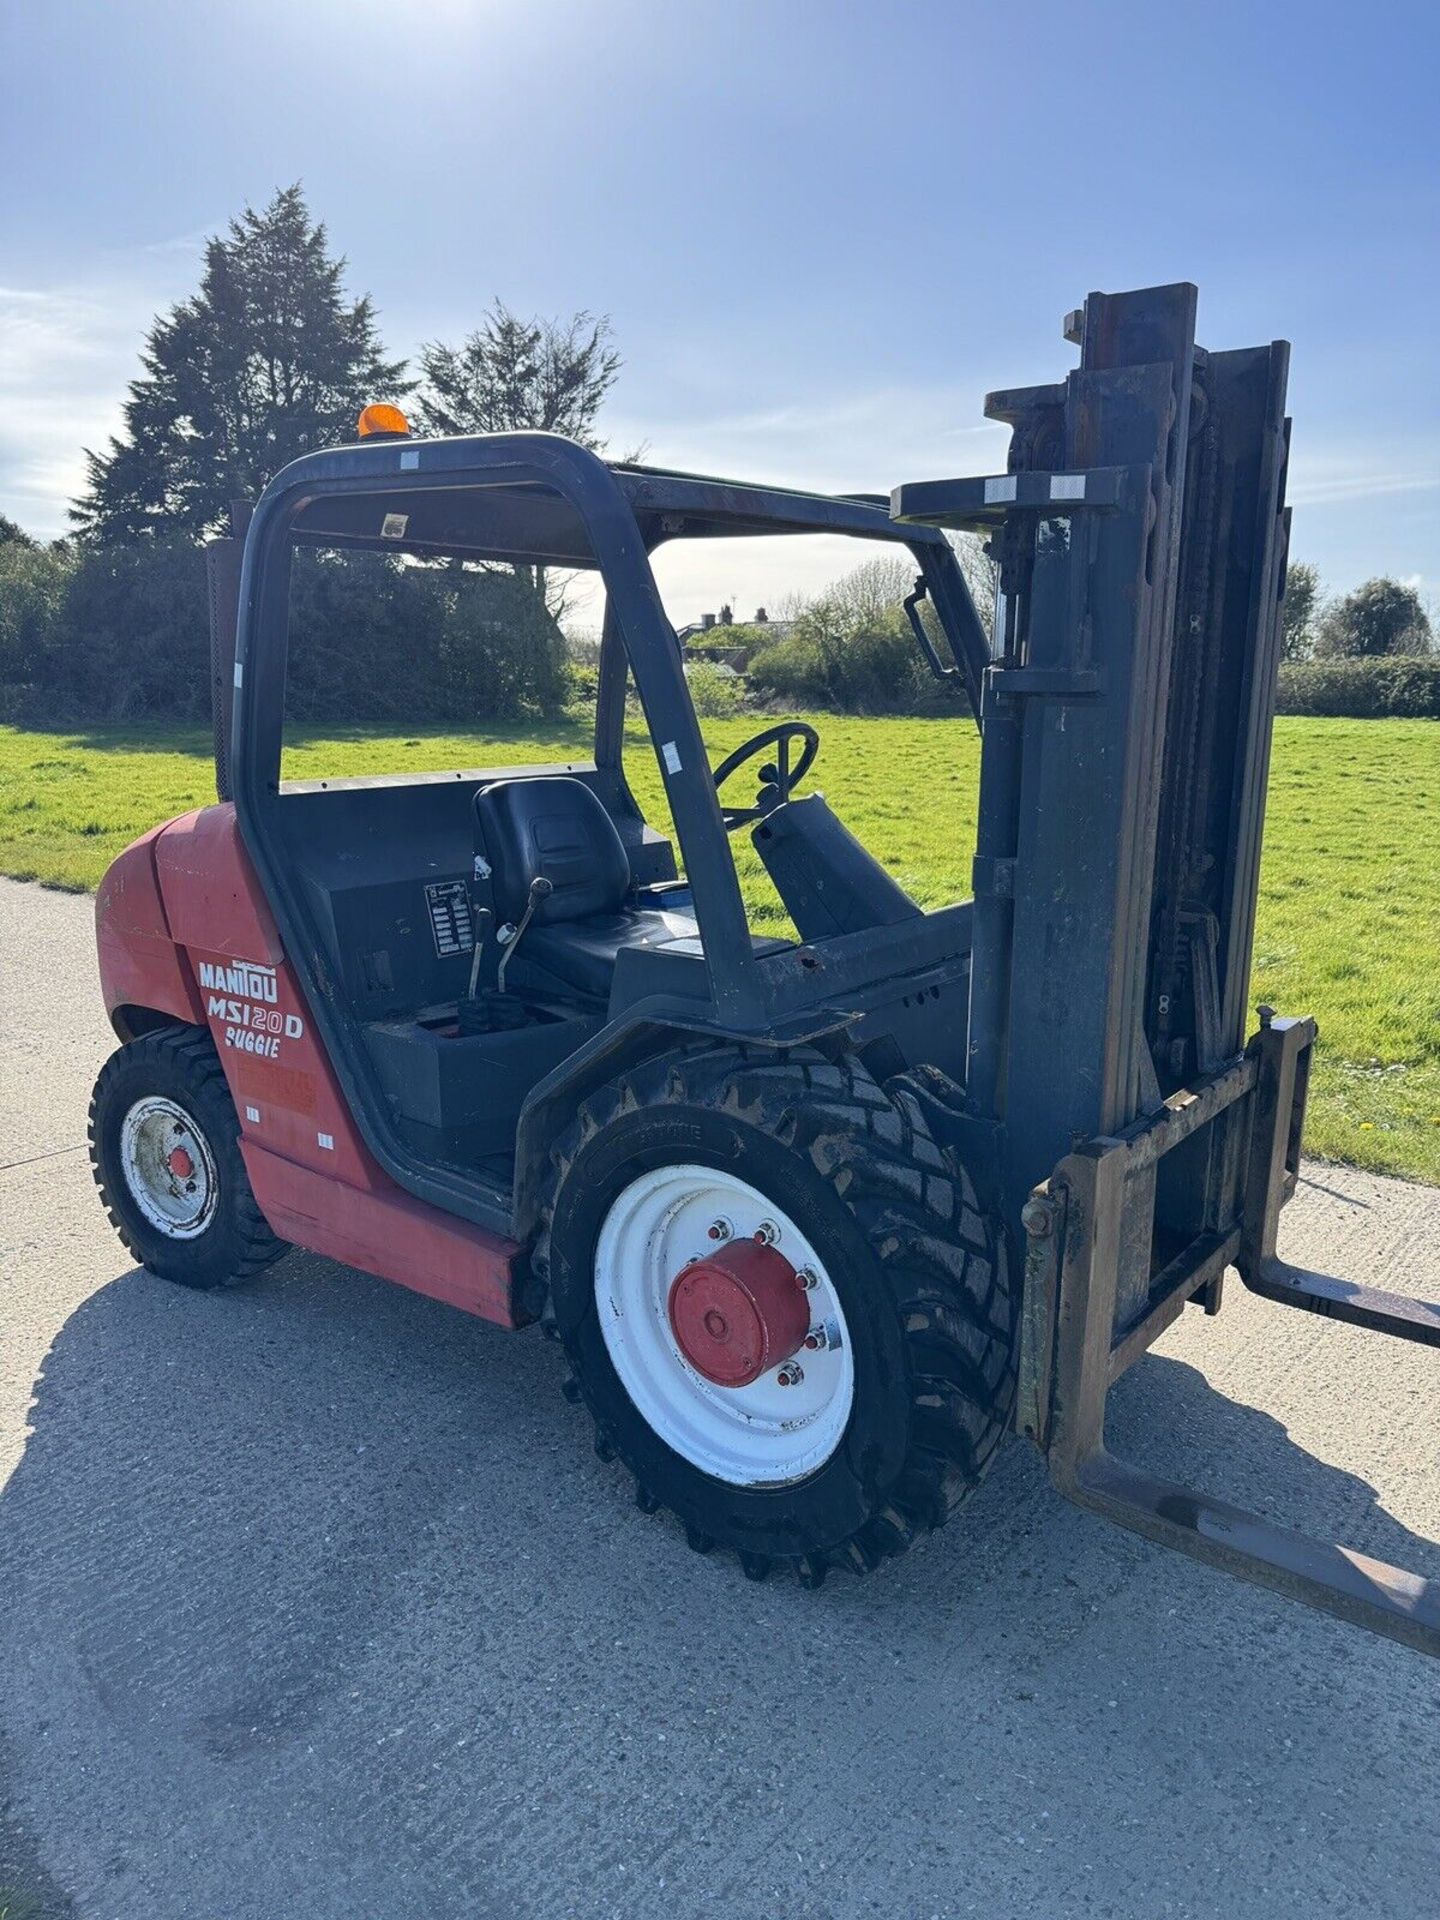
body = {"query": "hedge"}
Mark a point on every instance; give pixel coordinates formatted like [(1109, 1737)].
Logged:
[(1393, 687), (877, 671), (882, 673), (122, 633)]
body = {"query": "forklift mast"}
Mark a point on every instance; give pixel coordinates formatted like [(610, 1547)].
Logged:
[(1140, 1146), (1141, 534)]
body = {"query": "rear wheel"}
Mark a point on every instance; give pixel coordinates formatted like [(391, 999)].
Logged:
[(782, 1304), (165, 1149)]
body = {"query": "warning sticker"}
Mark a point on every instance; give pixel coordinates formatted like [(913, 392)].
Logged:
[(393, 526), (450, 921)]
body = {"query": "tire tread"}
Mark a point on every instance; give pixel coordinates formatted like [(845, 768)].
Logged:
[(944, 1268), (187, 1054)]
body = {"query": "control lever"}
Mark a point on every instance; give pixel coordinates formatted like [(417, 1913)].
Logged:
[(484, 921), (540, 889)]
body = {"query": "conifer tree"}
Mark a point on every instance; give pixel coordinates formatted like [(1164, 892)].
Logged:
[(268, 360)]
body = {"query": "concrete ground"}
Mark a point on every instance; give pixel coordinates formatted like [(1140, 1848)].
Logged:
[(314, 1601)]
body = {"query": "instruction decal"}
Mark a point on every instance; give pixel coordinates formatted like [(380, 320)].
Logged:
[(450, 922)]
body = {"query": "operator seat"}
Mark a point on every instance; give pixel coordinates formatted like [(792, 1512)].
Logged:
[(555, 828)]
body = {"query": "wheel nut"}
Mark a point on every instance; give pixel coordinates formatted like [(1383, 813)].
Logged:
[(720, 1230), (789, 1375), (1038, 1219), (767, 1233), (807, 1278)]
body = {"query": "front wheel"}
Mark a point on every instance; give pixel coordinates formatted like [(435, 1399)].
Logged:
[(782, 1304), (165, 1150)]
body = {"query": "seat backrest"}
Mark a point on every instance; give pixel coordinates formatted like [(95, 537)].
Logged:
[(553, 828)]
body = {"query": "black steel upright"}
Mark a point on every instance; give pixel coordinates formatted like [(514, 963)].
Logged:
[(1141, 537), (1143, 1147)]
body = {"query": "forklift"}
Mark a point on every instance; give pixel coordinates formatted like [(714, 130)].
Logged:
[(816, 1219)]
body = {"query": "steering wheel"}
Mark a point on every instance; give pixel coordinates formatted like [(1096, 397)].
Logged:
[(777, 779)]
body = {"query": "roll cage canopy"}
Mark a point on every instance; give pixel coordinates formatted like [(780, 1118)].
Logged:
[(538, 499), (690, 505), (541, 500)]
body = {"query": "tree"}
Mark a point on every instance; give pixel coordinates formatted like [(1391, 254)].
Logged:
[(13, 535), (512, 374), (1381, 617), (1299, 609), (850, 647), (870, 595), (34, 583), (134, 638), (269, 360), (982, 575), (473, 642)]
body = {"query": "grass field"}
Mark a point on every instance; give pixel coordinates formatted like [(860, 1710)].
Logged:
[(1350, 892)]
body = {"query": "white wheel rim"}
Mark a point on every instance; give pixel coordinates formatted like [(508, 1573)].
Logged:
[(156, 1138), (762, 1435)]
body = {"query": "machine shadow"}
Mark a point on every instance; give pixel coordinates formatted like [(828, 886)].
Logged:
[(1165, 1416), (187, 1427), (239, 1516), (190, 740), (195, 740)]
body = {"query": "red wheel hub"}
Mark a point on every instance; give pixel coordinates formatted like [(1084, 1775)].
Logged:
[(738, 1312), (180, 1163)]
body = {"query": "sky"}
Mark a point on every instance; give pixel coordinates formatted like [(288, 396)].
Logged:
[(822, 229)]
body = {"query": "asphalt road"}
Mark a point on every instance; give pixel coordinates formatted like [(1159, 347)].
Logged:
[(314, 1601)]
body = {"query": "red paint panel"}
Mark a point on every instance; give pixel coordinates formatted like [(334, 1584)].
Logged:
[(284, 1088), (212, 896), (388, 1233), (140, 965), (272, 1056), (202, 944)]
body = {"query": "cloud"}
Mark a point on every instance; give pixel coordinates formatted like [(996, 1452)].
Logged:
[(67, 355), (852, 440), (64, 359), (193, 243), (68, 352), (868, 440), (1337, 474)]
